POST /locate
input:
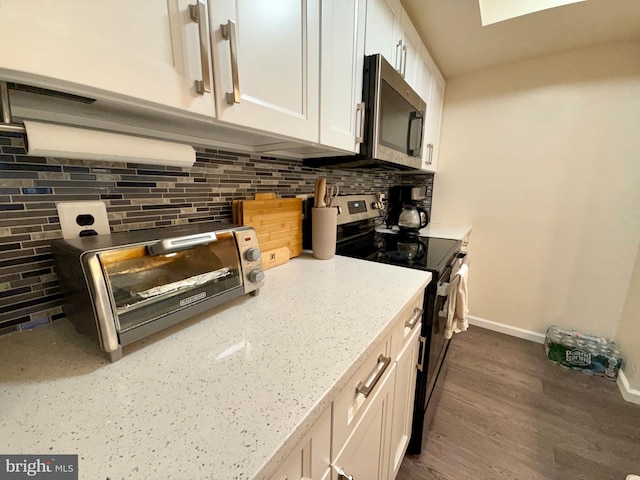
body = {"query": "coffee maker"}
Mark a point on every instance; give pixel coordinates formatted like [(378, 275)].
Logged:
[(401, 196)]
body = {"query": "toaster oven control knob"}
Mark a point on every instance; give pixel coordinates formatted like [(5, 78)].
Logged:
[(253, 254), (256, 276)]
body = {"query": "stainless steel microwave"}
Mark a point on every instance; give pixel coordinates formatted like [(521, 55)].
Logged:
[(393, 124)]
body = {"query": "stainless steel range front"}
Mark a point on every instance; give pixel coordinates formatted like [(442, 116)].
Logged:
[(122, 287)]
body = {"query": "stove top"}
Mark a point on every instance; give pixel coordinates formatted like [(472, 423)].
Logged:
[(358, 216), (423, 253)]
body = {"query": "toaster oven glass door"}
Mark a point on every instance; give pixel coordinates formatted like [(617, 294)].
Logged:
[(145, 287)]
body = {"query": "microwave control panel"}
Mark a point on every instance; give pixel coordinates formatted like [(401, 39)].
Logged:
[(250, 259)]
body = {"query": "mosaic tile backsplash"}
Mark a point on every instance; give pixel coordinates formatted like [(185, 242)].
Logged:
[(137, 197)]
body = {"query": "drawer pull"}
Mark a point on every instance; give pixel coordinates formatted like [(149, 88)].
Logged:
[(367, 386), (417, 315)]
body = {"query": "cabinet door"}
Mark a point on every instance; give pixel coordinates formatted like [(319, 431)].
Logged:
[(403, 401), (342, 64), (434, 123), (423, 81), (365, 455), (411, 51), (311, 458), (266, 64), (383, 31), (145, 50)]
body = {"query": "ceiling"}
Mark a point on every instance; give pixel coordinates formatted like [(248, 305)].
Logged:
[(453, 33)]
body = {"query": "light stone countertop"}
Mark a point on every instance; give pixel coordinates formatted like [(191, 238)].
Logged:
[(225, 395), (446, 230)]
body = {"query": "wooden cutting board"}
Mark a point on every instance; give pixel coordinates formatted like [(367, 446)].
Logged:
[(277, 222)]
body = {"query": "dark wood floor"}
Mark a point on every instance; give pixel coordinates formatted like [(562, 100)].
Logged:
[(506, 412)]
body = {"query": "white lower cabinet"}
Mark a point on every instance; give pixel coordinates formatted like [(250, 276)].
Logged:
[(365, 455), (365, 433), (311, 458), (403, 400)]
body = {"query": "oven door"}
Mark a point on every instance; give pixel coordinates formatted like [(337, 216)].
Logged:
[(395, 113), (438, 342), (144, 287)]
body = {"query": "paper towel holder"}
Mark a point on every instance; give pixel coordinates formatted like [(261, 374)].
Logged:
[(7, 124), (65, 141)]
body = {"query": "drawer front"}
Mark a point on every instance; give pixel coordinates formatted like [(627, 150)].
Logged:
[(406, 323), (356, 396)]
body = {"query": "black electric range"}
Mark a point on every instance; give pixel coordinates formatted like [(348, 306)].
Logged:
[(361, 236), (422, 253)]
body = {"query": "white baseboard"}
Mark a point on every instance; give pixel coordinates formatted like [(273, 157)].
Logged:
[(507, 329), (629, 394)]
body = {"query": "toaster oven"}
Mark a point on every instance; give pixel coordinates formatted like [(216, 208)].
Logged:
[(122, 287)]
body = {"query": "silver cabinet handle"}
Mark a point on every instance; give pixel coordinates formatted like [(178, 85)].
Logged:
[(360, 108), (404, 61), (412, 322), (430, 148), (399, 59), (229, 33), (198, 13), (366, 388), (342, 475)]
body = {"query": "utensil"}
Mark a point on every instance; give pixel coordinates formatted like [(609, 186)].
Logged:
[(332, 192), (320, 192)]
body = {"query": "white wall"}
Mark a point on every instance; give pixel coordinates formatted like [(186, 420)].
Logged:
[(542, 158), (628, 335)]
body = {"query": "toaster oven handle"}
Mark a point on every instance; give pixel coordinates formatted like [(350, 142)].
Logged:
[(181, 243)]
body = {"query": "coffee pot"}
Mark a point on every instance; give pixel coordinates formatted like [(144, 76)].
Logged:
[(412, 218)]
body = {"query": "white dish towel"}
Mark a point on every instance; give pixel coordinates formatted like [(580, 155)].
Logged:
[(448, 313), (457, 307), (460, 317)]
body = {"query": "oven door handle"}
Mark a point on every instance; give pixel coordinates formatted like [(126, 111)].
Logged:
[(181, 243), (445, 288)]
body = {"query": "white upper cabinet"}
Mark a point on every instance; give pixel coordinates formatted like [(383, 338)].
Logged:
[(391, 33), (384, 31), (423, 80), (148, 51), (266, 64), (435, 107), (411, 47), (342, 65)]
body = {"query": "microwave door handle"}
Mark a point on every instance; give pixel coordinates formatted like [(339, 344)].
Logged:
[(415, 149), (181, 243)]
